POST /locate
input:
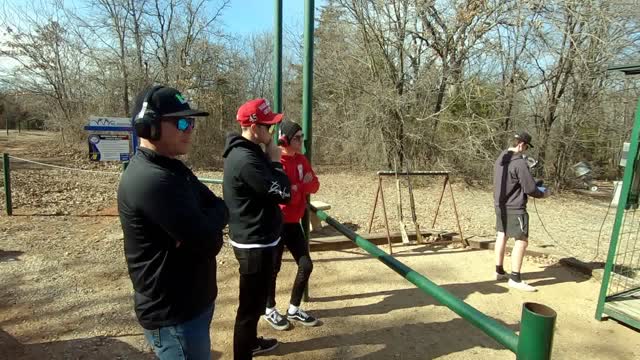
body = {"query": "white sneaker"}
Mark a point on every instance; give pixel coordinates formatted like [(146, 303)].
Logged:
[(276, 320), (302, 317), (504, 276), (521, 286)]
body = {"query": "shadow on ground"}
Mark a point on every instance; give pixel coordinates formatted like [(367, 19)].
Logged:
[(414, 297)]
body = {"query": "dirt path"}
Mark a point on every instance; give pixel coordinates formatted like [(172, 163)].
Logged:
[(77, 304), (65, 293)]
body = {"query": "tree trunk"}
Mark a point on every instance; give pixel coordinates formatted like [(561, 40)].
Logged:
[(440, 97)]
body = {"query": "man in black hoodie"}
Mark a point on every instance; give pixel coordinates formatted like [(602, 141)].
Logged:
[(254, 185), (513, 182), (172, 227)]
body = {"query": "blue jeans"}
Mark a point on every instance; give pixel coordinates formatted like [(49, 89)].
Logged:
[(188, 340)]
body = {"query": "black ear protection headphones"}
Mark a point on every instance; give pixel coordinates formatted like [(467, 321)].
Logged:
[(147, 122), (282, 139)]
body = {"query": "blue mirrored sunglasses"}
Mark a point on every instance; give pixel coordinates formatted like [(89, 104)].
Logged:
[(184, 124)]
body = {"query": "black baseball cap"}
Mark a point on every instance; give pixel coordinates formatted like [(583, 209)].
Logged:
[(524, 137), (166, 101), (289, 129)]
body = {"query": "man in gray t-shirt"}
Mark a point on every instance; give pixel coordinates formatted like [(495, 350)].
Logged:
[(512, 184)]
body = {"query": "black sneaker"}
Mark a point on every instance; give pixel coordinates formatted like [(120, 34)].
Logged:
[(264, 345), (302, 317), (276, 320)]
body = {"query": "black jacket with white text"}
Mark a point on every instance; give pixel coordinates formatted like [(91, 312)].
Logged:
[(253, 187)]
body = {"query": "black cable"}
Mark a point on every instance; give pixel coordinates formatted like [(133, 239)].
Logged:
[(602, 225), (547, 231), (599, 233)]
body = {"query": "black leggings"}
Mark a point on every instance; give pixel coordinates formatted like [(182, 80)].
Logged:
[(293, 237)]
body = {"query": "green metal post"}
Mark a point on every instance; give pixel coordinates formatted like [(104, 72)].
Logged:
[(6, 167), (632, 158), (489, 326), (536, 332), (307, 78), (277, 61), (307, 99)]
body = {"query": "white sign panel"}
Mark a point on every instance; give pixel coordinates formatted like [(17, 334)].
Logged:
[(109, 147)]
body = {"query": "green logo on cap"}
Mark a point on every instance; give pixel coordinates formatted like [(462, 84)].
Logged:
[(181, 99)]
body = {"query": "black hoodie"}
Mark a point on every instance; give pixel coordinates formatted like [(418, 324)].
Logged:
[(512, 182), (253, 187)]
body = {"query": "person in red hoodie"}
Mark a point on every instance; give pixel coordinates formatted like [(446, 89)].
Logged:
[(303, 182)]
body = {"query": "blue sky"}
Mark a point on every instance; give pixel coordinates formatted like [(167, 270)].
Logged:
[(241, 17), (247, 16)]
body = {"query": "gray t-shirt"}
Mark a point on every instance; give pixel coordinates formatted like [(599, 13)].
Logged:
[(512, 182)]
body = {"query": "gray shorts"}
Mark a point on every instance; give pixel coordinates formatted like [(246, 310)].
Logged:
[(514, 225)]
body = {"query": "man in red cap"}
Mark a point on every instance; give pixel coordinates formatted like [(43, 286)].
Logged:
[(254, 186)]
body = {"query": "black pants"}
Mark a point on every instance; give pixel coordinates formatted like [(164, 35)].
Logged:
[(256, 270), (293, 238)]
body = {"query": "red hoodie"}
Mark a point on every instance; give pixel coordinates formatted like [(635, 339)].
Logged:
[(296, 166)]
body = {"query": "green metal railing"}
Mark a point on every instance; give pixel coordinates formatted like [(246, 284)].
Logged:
[(620, 285), (537, 321), (277, 62), (6, 170)]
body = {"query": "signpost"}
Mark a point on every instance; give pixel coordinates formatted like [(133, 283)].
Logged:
[(109, 147), (110, 139)]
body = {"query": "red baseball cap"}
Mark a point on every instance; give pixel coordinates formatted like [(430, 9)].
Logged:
[(257, 111)]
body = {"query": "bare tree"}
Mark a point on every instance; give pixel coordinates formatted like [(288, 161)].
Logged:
[(48, 59), (136, 11), (259, 50), (438, 82), (117, 14), (383, 27), (198, 26), (453, 36), (513, 37)]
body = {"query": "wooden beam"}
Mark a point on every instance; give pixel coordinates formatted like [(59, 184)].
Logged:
[(339, 242)]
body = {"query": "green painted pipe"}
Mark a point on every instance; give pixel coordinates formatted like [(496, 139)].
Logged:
[(623, 203), (307, 79), (277, 61), (536, 332), (491, 327), (210, 181), (6, 167), (307, 102)]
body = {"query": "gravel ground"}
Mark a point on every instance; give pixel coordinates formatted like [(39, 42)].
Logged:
[(66, 294)]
